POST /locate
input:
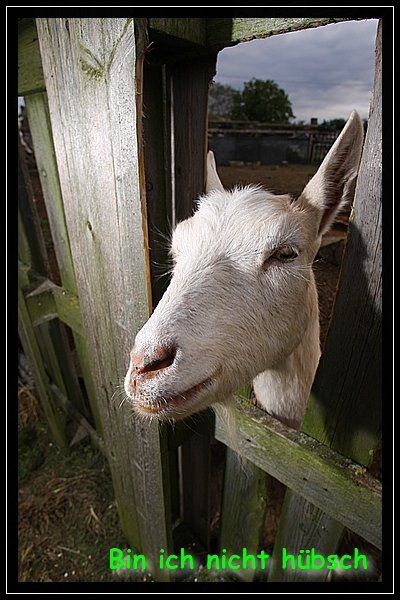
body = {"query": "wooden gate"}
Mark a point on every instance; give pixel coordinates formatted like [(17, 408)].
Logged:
[(113, 181)]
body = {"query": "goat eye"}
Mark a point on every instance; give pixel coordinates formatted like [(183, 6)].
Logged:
[(285, 253)]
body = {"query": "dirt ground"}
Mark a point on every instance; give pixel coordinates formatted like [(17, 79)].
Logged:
[(67, 516)]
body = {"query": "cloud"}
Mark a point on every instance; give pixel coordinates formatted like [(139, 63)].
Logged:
[(326, 71)]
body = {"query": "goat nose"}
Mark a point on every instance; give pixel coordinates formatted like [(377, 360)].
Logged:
[(147, 363)]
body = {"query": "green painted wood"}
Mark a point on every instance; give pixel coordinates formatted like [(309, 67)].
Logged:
[(30, 72), (88, 68), (335, 484), (47, 301)]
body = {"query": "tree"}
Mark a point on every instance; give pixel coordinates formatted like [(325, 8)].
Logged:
[(332, 125), (220, 102), (262, 101)]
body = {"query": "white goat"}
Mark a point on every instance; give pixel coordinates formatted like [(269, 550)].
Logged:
[(242, 303)]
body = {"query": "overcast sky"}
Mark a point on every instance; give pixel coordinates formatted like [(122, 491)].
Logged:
[(326, 72)]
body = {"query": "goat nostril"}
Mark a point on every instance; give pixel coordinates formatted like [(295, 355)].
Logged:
[(160, 358), (155, 364)]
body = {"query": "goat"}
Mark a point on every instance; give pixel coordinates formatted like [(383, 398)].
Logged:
[(242, 302)]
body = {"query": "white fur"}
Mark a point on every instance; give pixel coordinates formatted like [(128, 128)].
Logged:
[(238, 307)]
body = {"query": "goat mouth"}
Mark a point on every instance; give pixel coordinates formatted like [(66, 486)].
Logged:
[(167, 403)]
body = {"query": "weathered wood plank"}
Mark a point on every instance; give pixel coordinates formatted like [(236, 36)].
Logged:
[(67, 304), (31, 348), (51, 340), (188, 30), (30, 72), (228, 32), (157, 158), (47, 301), (89, 70), (306, 527), (195, 479), (40, 302), (185, 34), (345, 408), (71, 410), (40, 128), (243, 510), (32, 250), (189, 86), (339, 486)]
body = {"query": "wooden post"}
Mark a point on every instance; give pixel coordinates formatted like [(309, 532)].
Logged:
[(243, 510), (175, 129), (190, 81), (187, 91), (32, 251), (89, 67), (344, 410)]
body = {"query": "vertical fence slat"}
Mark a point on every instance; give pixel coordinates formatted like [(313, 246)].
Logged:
[(157, 156), (190, 84), (31, 348), (33, 252), (243, 510), (195, 477), (344, 410), (302, 526), (89, 68), (187, 86), (40, 127)]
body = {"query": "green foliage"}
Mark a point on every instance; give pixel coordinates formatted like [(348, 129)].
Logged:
[(332, 125), (262, 101), (220, 101)]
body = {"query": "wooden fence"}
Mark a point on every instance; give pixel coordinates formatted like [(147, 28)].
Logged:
[(112, 182)]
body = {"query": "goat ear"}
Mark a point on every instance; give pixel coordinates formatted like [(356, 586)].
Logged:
[(213, 182), (332, 187)]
